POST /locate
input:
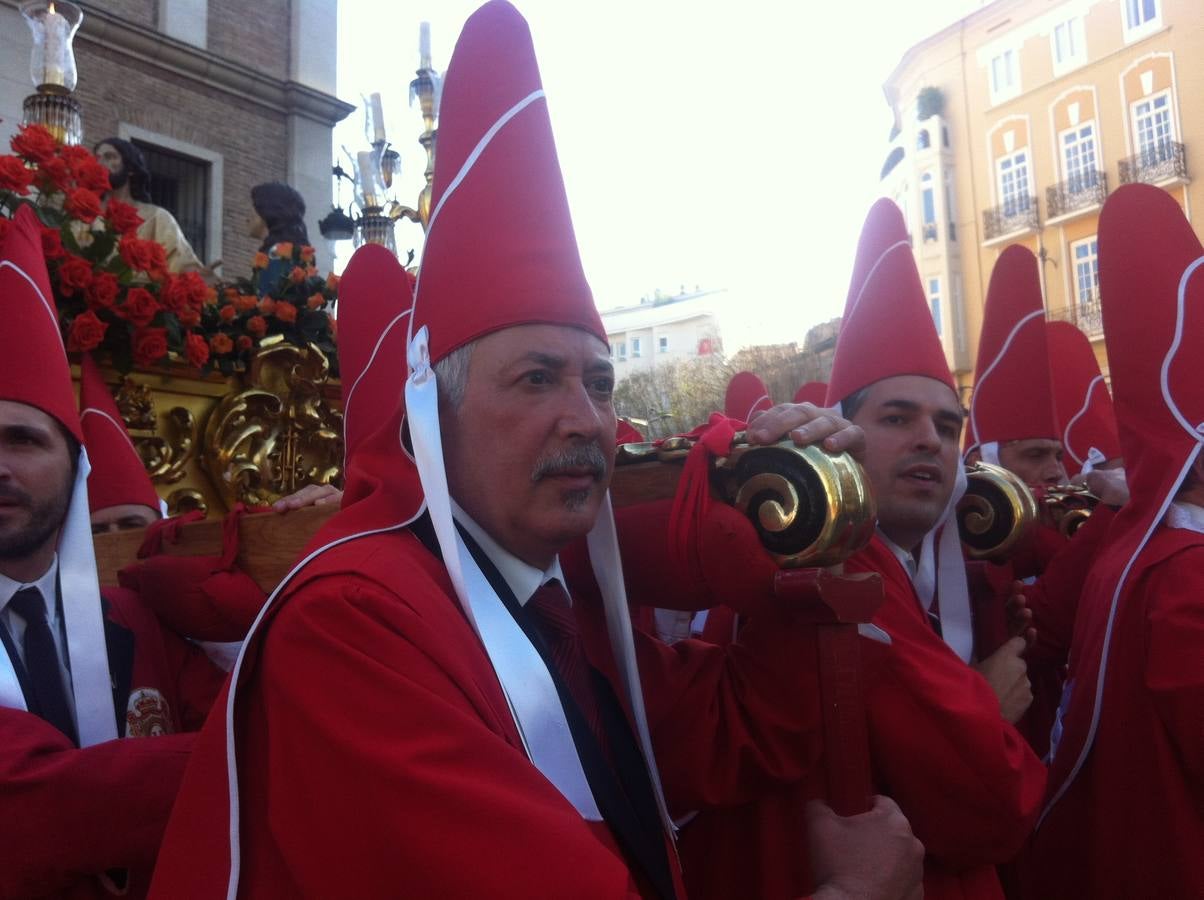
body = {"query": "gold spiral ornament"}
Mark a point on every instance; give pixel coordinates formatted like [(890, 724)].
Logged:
[(995, 513)]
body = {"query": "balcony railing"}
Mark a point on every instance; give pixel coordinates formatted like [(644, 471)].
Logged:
[(1157, 163), (1081, 191), (1085, 314), (1019, 214)]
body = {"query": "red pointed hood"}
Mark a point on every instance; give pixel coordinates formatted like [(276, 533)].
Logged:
[(33, 366), (118, 475), (887, 328), (626, 433), (746, 395), (812, 392), (381, 487), (1086, 422), (500, 250), (1013, 397), (1152, 296)]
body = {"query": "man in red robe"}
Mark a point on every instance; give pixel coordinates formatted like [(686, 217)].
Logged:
[(431, 704), (1125, 815), (83, 811)]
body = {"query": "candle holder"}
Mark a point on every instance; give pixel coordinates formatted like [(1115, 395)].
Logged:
[(377, 169), (52, 68)]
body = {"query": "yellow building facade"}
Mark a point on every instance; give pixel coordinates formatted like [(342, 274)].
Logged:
[(1033, 112)]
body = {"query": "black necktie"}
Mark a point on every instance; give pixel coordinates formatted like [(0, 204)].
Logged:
[(554, 618), (42, 661)]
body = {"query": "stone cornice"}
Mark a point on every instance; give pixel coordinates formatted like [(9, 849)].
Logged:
[(103, 29)]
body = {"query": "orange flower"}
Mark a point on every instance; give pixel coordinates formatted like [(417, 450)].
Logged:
[(260, 261), (227, 313), (257, 325), (230, 293), (315, 301), (307, 253), (221, 344), (286, 312), (267, 306), (244, 342), (246, 302), (283, 250), (297, 275), (332, 282)]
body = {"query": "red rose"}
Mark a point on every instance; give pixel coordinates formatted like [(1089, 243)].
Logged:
[(244, 343), (143, 256), (76, 155), (332, 282), (53, 174), (257, 325), (196, 292), (94, 177), (221, 344), (103, 290), (315, 301), (14, 176), (150, 346), (75, 274), (297, 275), (87, 331), (196, 348), (227, 313), (286, 312), (189, 318), (122, 216), (52, 244), (307, 253), (267, 306), (140, 306), (35, 143), (83, 204)]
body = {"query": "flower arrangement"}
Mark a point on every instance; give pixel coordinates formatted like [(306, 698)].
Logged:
[(284, 296), (112, 289)]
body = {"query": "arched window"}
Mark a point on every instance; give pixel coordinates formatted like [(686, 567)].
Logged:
[(928, 205), (923, 141)]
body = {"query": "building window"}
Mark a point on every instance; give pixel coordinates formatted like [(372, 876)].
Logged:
[(949, 216), (180, 184), (1069, 46), (1014, 194), (1086, 273), (1005, 76), (1141, 17), (635, 348), (923, 141), (1078, 158), (934, 301), (662, 345), (928, 202), (1153, 128), (622, 351)]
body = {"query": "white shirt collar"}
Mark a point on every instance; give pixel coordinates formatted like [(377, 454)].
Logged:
[(1185, 515), (47, 584), (523, 579), (906, 559)]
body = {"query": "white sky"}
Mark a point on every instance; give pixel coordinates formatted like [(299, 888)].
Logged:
[(703, 143)]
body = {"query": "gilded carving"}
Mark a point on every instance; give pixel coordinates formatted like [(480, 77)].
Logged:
[(279, 434)]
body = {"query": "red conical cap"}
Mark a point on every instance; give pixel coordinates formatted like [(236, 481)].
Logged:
[(118, 475), (887, 329), (812, 392), (1152, 299), (500, 249), (1082, 401), (745, 397), (33, 366), (1013, 398)]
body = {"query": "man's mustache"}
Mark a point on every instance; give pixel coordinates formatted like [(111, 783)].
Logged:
[(582, 456)]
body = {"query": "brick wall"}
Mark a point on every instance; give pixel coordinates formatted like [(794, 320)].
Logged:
[(255, 35), (140, 12), (251, 139)]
